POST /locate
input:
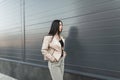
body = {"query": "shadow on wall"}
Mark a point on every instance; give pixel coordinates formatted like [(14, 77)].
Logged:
[(73, 47)]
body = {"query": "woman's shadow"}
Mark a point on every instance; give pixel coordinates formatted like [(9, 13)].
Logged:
[(73, 47)]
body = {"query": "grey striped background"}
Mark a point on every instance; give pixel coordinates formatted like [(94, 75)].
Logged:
[(91, 30)]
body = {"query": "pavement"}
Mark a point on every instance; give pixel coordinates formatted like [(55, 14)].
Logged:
[(6, 77)]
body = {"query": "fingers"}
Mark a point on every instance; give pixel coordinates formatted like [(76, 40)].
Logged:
[(53, 60)]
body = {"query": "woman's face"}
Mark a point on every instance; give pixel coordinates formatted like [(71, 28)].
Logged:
[(61, 26)]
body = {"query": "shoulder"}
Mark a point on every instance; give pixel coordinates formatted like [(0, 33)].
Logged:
[(63, 38), (47, 37)]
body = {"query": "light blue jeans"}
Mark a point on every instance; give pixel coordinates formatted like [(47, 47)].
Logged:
[(56, 69)]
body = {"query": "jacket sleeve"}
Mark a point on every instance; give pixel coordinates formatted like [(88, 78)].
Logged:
[(45, 47)]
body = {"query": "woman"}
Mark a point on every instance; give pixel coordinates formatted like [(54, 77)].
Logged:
[(53, 50)]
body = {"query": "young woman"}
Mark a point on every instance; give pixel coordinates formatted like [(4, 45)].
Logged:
[(53, 50)]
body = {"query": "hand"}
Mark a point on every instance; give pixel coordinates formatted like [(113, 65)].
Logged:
[(53, 59)]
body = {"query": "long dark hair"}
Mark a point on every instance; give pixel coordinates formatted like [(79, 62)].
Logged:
[(55, 27)]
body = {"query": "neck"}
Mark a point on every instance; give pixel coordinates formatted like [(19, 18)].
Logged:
[(57, 36)]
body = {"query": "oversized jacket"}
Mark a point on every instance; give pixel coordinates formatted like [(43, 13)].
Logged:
[(51, 48)]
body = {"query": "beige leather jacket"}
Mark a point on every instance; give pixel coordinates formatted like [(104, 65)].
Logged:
[(51, 48)]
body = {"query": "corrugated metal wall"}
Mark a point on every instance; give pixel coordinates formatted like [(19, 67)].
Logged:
[(91, 29), (10, 29)]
